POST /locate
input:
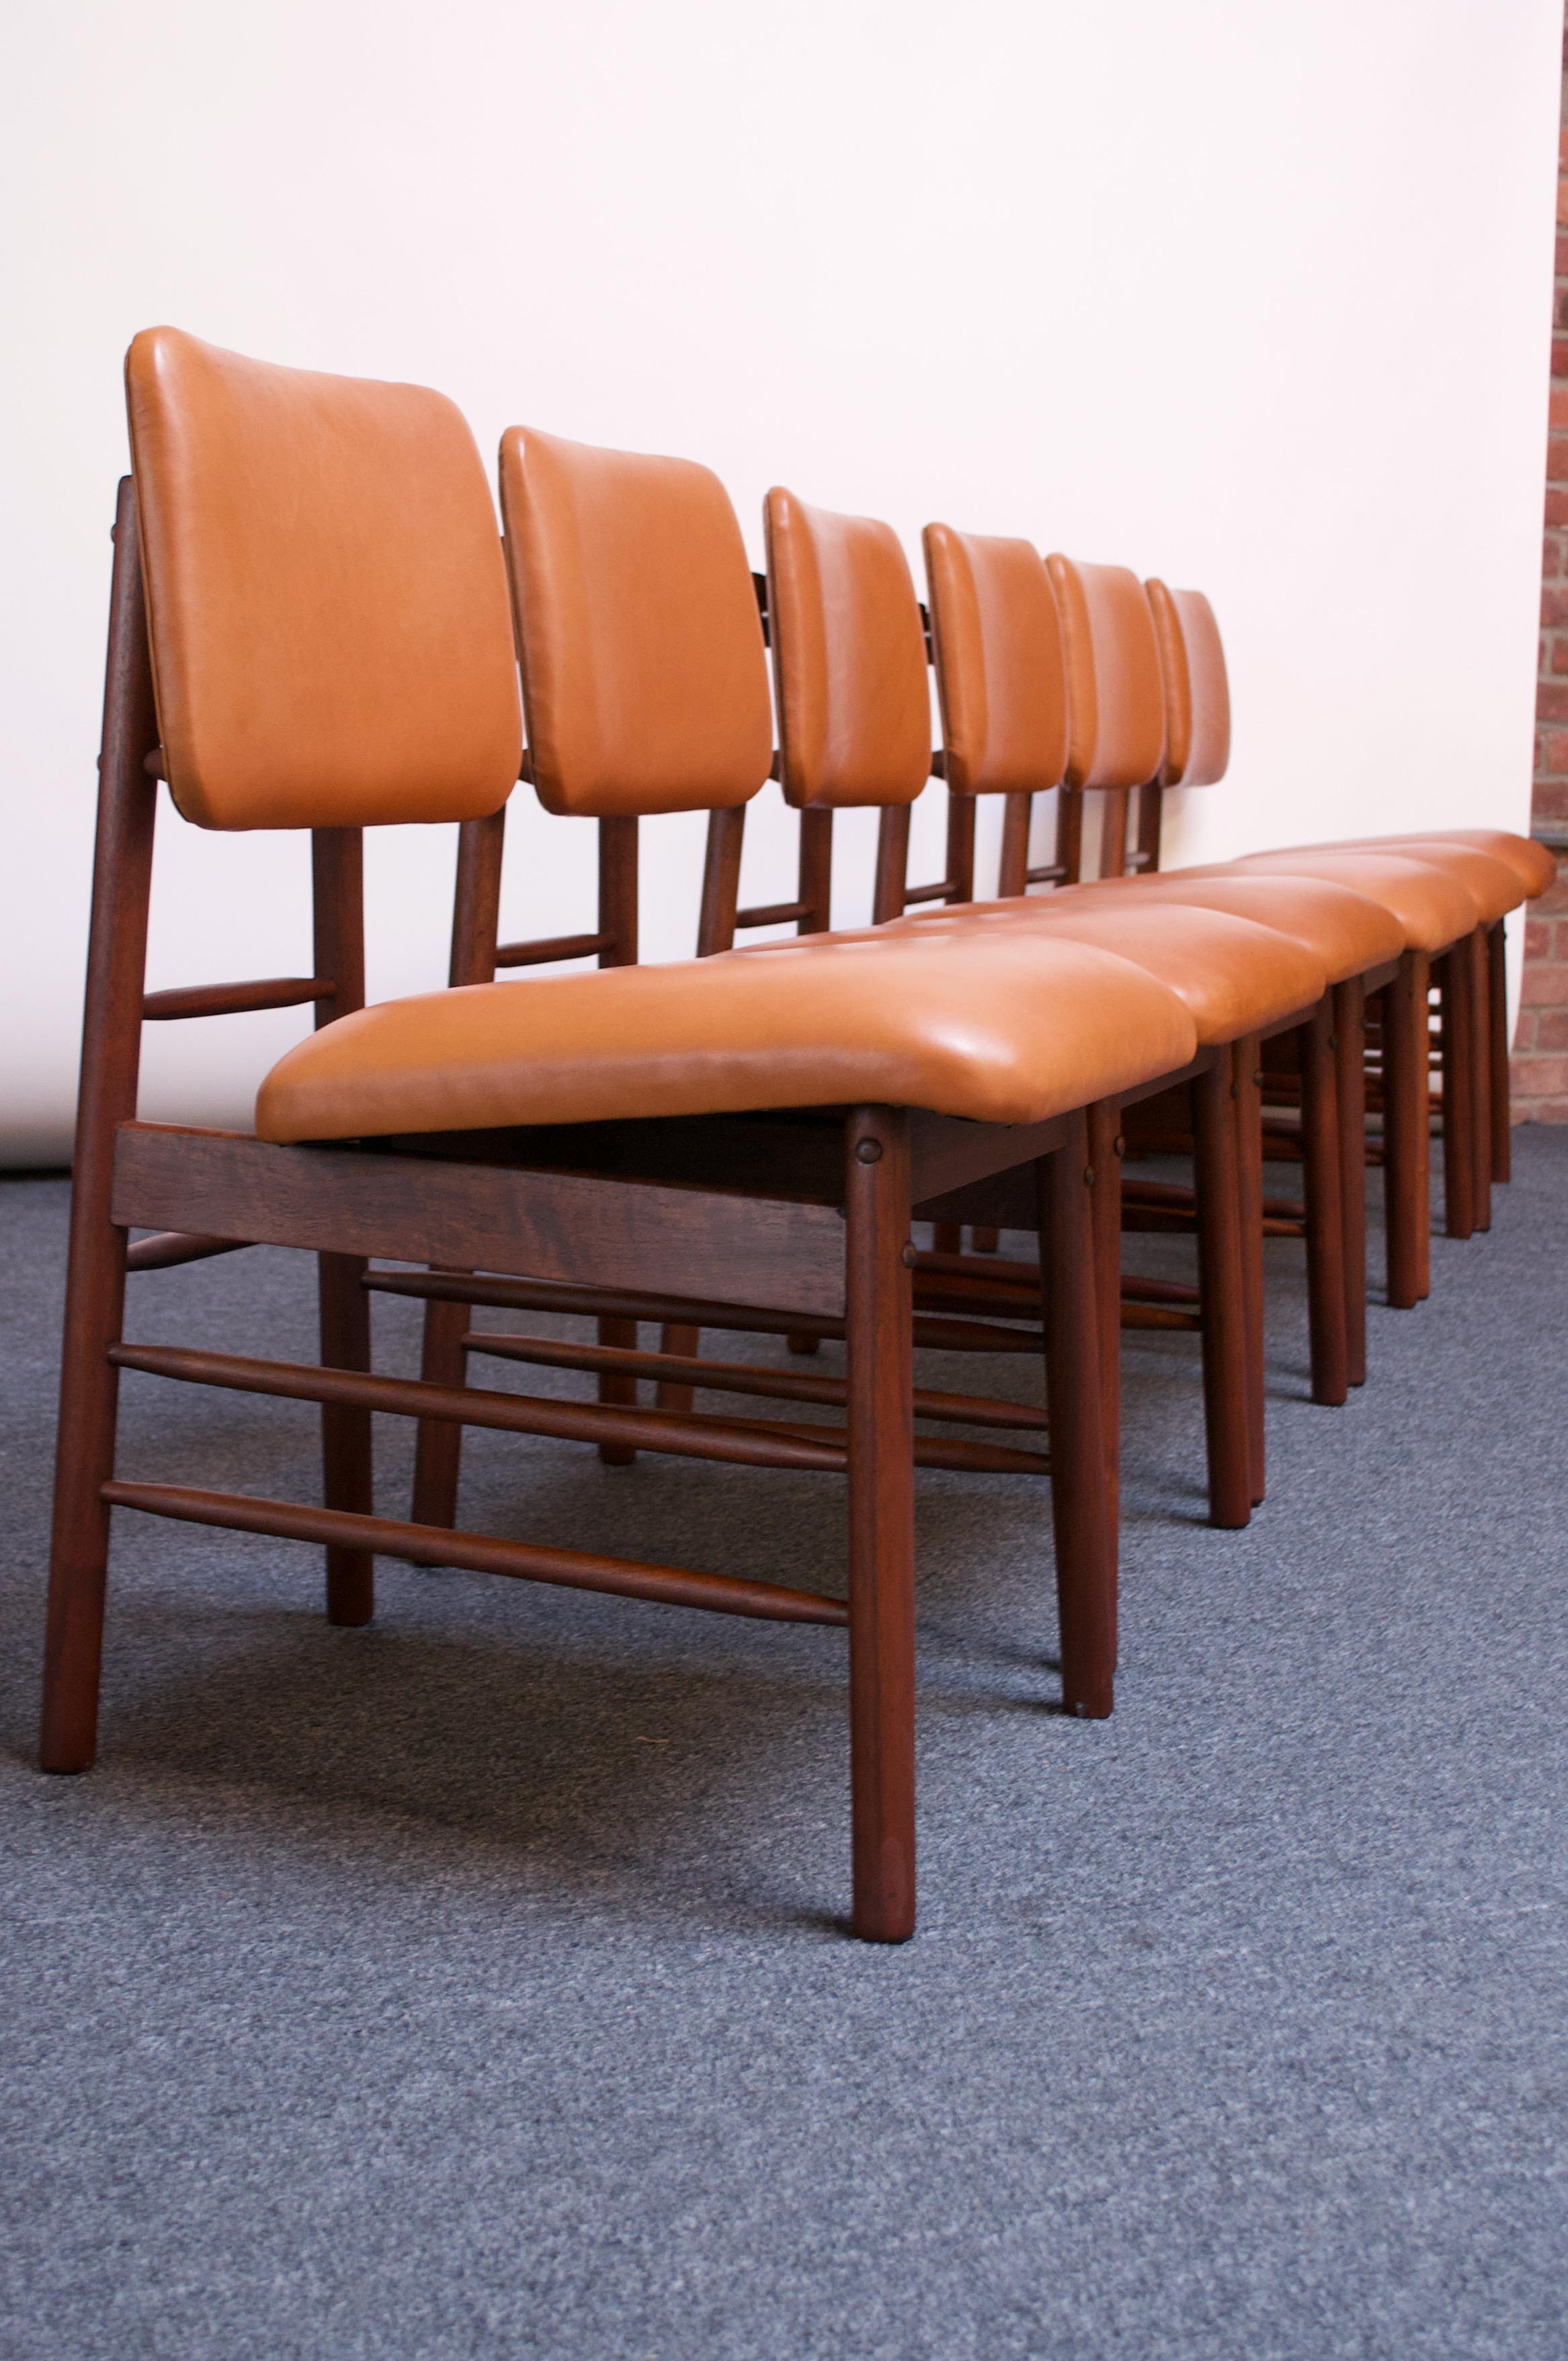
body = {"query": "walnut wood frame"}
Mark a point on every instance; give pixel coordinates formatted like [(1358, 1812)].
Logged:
[(588, 1210)]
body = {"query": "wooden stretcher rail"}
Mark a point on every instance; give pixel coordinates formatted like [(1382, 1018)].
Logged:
[(234, 999), (166, 1249), (686, 1436), (552, 947), (478, 1553), (738, 1378), (507, 1294)]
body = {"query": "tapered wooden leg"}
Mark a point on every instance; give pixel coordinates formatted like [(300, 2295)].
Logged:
[(1013, 875), (438, 1444), (1227, 1424), (1248, 1105), (880, 1417), (1497, 1053), (1406, 1168), (1105, 1217), (1474, 949), (475, 929), (677, 1337), (947, 1237), (1325, 1225), (1085, 1575), (96, 1272), (1458, 1100), (346, 1475), (1350, 1069), (615, 1388)]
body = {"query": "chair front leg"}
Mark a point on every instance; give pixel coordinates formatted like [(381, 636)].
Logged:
[(1248, 1108), (348, 1477), (1325, 1223), (1406, 1178), (880, 1419), (1226, 1417), (1497, 1053), (1085, 1573), (1458, 1208), (1350, 1069)]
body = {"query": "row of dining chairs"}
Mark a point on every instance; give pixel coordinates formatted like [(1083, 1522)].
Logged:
[(315, 625)]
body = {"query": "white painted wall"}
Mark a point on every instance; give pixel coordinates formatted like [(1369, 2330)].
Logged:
[(1253, 297)]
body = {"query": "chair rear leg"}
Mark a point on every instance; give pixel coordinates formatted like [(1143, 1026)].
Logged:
[(669, 1394), (347, 1479), (1085, 1573), (1227, 1419), (1350, 1069), (617, 1391), (96, 1278), (1325, 1224), (438, 1445), (881, 1418)]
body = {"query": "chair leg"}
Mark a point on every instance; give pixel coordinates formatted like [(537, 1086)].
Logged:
[(346, 1473), (78, 1556), (1227, 1424), (1105, 1145), (676, 1338), (1406, 1167), (880, 1333), (438, 1443), (1458, 1100), (1085, 1575), (1497, 1053), (1325, 1227), (613, 1388), (96, 1278), (1350, 1069), (1248, 1104), (1479, 983)]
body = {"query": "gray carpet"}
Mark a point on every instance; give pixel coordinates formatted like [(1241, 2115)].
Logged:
[(476, 1984)]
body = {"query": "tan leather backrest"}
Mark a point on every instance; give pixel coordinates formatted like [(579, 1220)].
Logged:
[(1197, 687), (327, 600), (1001, 667), (1115, 697), (849, 658), (644, 677)]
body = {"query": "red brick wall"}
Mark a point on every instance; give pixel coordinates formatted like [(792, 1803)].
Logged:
[(1541, 1044)]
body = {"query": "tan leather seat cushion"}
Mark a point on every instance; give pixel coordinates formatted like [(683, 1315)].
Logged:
[(1235, 977), (1001, 665), (1197, 686), (1115, 699), (849, 659), (1347, 931), (643, 672), (1010, 1030), (1434, 909), (331, 632), (1529, 867)]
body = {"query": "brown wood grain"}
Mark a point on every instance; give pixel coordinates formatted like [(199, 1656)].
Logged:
[(549, 1224)]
